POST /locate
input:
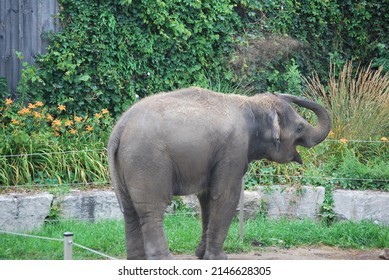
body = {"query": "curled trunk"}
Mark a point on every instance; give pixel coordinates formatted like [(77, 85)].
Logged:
[(317, 134)]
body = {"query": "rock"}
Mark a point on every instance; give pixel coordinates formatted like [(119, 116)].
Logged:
[(251, 204), (362, 205), (293, 202), (385, 254), (24, 212), (93, 205)]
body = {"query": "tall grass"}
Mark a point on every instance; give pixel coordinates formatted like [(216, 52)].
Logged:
[(357, 98)]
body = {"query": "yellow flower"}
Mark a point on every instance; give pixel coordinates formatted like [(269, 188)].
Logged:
[(24, 111), (68, 123), (73, 131), (343, 140), (15, 121), (98, 115), (384, 139), (56, 133), (57, 122), (61, 107), (331, 134), (37, 115), (89, 128), (50, 117), (8, 101), (105, 111), (78, 119), (38, 104), (31, 106)]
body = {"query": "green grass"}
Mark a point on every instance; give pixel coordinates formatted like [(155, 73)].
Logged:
[(183, 233)]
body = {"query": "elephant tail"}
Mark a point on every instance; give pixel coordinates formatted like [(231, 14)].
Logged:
[(113, 145)]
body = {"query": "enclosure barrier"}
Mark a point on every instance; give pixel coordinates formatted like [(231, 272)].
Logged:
[(68, 244), (68, 236)]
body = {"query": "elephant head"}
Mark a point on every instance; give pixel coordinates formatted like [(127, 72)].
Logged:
[(286, 129)]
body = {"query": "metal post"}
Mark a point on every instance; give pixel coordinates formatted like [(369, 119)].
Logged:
[(68, 245), (241, 211)]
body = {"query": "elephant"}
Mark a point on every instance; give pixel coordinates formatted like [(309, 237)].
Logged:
[(196, 141)]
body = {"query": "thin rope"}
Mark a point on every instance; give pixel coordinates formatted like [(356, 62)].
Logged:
[(31, 236), (102, 183), (52, 153), (94, 251), (325, 178)]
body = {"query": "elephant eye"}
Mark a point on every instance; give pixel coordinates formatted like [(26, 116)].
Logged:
[(300, 128)]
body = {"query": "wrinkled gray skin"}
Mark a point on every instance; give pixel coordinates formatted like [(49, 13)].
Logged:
[(198, 141)]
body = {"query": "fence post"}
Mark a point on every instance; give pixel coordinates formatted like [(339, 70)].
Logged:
[(68, 245), (241, 211)]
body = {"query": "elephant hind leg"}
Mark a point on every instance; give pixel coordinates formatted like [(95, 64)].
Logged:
[(134, 237)]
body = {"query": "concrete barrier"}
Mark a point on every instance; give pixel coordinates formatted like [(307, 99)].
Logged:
[(24, 212)]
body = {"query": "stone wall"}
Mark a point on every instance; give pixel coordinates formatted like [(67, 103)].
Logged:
[(24, 212)]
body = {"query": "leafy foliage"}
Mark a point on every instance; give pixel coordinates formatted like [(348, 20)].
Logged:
[(313, 32), (110, 52)]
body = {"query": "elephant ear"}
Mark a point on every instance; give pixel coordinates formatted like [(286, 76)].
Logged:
[(275, 129)]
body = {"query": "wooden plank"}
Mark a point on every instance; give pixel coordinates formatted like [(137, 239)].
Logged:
[(22, 23), (2, 37)]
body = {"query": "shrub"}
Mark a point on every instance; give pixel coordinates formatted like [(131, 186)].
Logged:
[(313, 32), (47, 146), (110, 52), (358, 101)]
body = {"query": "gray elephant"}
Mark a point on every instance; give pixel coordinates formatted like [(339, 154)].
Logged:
[(195, 141)]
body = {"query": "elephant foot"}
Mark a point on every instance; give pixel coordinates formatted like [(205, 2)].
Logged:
[(200, 251), (218, 256), (141, 257), (169, 256)]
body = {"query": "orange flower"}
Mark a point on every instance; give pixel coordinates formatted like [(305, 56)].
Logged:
[(68, 123), (57, 122), (384, 139), (61, 107), (343, 140), (37, 115), (50, 117), (15, 121), (31, 106), (24, 111), (38, 104), (73, 131), (78, 119), (331, 134), (8, 101), (105, 111), (89, 128), (97, 115)]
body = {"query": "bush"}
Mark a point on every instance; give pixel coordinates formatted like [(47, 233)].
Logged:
[(41, 145), (358, 101), (313, 32), (110, 52)]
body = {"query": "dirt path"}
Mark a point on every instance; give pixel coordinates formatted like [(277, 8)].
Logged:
[(302, 253)]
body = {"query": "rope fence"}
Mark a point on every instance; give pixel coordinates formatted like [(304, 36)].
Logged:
[(107, 183), (53, 153), (343, 141), (67, 240)]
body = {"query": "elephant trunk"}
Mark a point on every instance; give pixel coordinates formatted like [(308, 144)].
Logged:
[(316, 134)]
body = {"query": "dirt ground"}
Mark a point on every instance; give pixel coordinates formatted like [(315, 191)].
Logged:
[(302, 253)]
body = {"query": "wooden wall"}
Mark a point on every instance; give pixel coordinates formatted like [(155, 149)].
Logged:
[(23, 25)]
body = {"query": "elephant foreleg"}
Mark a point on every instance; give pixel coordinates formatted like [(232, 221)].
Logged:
[(204, 200)]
